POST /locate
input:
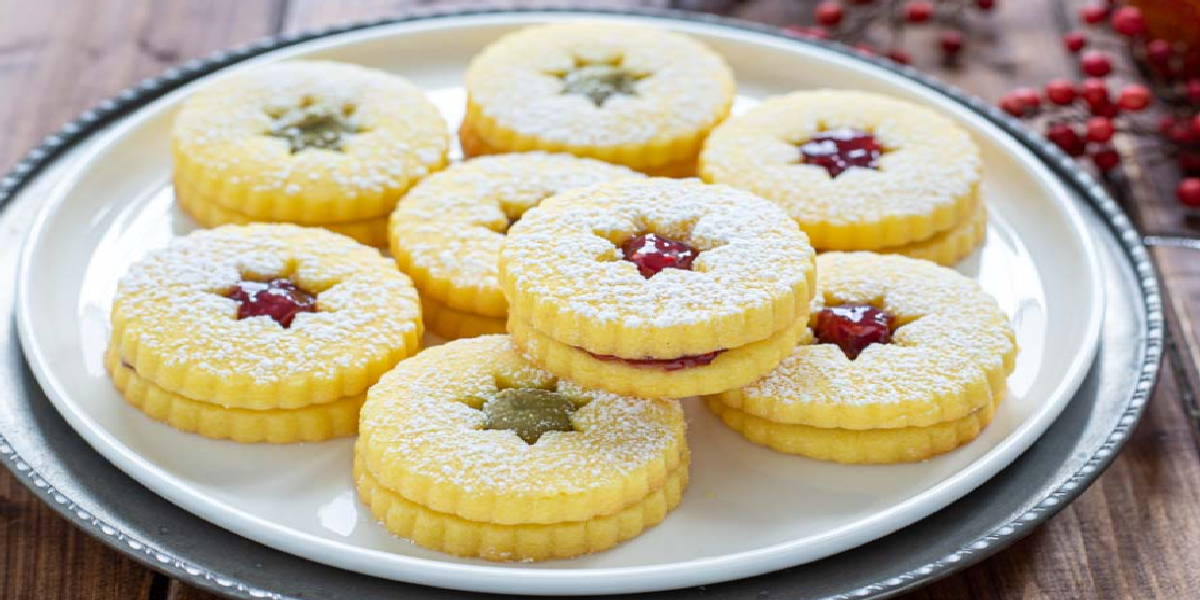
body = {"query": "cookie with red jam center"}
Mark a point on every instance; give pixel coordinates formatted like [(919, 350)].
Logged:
[(856, 170), (908, 360), (261, 332), (657, 287)]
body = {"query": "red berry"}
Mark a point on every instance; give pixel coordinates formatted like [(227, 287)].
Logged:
[(281, 299), (1188, 191), (853, 327), (985, 4), (1074, 41), (653, 253), (952, 43), (918, 11), (1060, 91), (899, 56), (1106, 159), (1094, 92), (1066, 138), (1158, 51), (1028, 96), (830, 13), (1095, 63), (1193, 90), (1013, 105), (1134, 97), (1100, 129), (1196, 124), (1128, 21), (1093, 13)]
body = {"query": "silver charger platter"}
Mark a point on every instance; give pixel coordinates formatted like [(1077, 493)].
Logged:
[(44, 453)]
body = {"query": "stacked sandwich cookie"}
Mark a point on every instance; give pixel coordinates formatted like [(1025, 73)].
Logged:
[(909, 360), (470, 449), (315, 143), (623, 93), (260, 333), (858, 171), (659, 288)]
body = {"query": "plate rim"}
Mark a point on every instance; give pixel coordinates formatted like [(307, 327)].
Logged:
[(130, 100)]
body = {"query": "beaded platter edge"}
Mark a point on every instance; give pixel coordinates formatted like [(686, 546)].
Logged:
[(131, 99)]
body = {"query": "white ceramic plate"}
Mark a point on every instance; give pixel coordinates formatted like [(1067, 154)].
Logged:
[(747, 511)]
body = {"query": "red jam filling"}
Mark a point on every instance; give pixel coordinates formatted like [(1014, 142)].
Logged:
[(853, 327), (653, 253), (840, 149), (281, 299), (666, 364)]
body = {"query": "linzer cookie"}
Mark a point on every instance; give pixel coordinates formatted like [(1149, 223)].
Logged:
[(909, 360), (470, 449), (858, 171), (260, 332), (446, 233), (657, 287), (619, 92), (315, 143)]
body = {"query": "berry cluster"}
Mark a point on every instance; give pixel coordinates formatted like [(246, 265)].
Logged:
[(1081, 118), (852, 21)]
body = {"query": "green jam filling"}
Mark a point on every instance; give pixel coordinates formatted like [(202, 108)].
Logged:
[(600, 82), (529, 412), (308, 129)]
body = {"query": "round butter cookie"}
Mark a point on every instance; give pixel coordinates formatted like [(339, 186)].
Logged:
[(264, 317), (908, 360), (469, 448), (311, 142), (619, 92), (858, 171), (692, 287), (446, 233)]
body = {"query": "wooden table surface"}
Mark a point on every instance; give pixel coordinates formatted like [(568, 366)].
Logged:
[(1134, 534)]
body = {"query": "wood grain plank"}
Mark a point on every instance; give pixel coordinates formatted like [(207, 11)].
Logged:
[(57, 58)]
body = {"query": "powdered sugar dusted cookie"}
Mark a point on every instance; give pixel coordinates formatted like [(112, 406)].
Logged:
[(902, 347), (310, 142), (470, 449), (858, 171), (657, 287), (263, 317), (619, 92)]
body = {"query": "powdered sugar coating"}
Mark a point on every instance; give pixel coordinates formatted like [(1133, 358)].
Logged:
[(174, 324), (950, 354), (447, 231), (562, 268), (930, 169), (223, 150), (684, 88), (423, 437)]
